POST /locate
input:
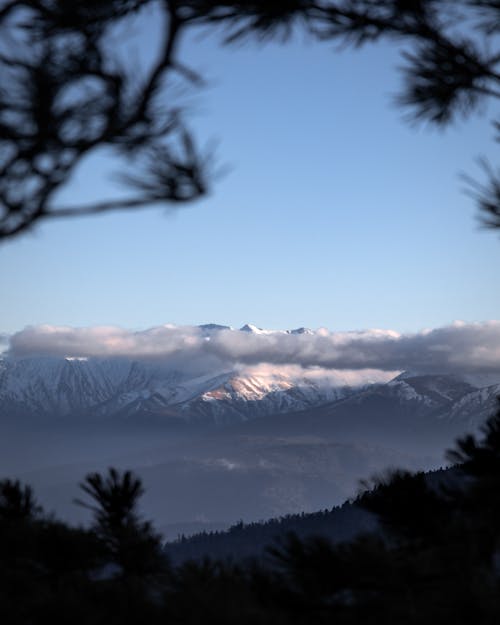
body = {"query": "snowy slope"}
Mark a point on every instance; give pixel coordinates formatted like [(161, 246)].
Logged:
[(97, 387)]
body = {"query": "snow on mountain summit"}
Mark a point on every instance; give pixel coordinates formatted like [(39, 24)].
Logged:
[(212, 389), (249, 327), (253, 329), (105, 387)]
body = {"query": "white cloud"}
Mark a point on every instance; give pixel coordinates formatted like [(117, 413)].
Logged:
[(470, 347)]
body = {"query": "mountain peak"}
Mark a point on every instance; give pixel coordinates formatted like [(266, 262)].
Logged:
[(253, 329), (249, 327), (301, 330)]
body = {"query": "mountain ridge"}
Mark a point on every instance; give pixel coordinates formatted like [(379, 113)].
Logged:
[(50, 387), (194, 393)]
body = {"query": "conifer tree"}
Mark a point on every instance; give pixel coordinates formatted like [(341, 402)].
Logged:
[(131, 543)]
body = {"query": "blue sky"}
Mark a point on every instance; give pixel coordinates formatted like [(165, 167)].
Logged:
[(334, 212)]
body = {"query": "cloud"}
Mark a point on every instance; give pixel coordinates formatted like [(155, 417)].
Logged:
[(321, 377), (460, 347), (109, 341)]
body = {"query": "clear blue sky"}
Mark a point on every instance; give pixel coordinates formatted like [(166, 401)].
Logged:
[(335, 212)]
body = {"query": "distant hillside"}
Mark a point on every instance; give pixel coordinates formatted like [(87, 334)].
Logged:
[(245, 541)]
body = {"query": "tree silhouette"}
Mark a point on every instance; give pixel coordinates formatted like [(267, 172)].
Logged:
[(17, 502), (436, 560), (408, 505), (480, 457), (64, 92), (131, 543)]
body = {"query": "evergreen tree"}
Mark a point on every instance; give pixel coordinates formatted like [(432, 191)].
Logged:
[(131, 543), (17, 502)]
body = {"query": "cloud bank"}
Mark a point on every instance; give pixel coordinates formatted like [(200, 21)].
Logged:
[(460, 347)]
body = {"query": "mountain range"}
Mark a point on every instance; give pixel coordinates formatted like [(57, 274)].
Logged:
[(273, 441), (108, 388), (62, 387)]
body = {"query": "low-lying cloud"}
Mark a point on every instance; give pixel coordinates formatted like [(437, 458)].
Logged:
[(460, 347)]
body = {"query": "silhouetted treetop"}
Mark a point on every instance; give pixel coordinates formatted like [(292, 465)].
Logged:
[(436, 560), (65, 92), (132, 543), (115, 497), (480, 456), (17, 502)]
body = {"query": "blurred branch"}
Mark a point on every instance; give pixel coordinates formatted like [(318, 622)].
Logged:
[(486, 194), (63, 93)]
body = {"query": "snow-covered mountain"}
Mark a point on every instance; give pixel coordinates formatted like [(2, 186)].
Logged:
[(466, 398), (251, 394), (62, 387), (71, 387), (297, 440)]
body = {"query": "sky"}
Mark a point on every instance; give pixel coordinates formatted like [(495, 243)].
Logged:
[(332, 210)]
